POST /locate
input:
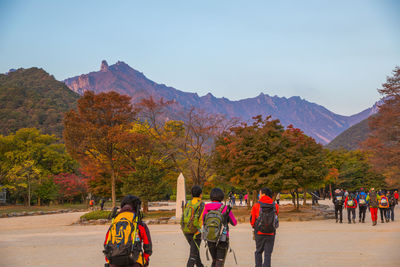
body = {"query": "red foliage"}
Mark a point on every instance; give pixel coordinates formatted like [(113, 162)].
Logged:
[(71, 185)]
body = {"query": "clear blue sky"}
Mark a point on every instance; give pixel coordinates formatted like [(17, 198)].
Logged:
[(334, 53)]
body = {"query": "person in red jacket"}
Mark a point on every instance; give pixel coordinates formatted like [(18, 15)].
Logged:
[(264, 240), (350, 203), (396, 196)]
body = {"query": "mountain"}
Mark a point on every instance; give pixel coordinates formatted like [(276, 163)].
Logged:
[(313, 119), (352, 137), (33, 98)]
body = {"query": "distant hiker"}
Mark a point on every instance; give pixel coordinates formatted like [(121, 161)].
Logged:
[(362, 204), (396, 196), (128, 241), (91, 204), (350, 204), (216, 218), (102, 201), (314, 198), (383, 206), (278, 198), (392, 204), (373, 203), (264, 220), (338, 201), (191, 224), (245, 198), (241, 199)]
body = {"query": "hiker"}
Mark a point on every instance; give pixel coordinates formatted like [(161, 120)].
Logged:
[(245, 198), (102, 201), (216, 218), (350, 204), (392, 204), (396, 196), (373, 203), (241, 199), (278, 198), (191, 224), (362, 205), (264, 216), (383, 206), (91, 204), (338, 199), (128, 250)]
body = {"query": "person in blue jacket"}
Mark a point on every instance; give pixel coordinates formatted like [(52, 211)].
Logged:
[(362, 205)]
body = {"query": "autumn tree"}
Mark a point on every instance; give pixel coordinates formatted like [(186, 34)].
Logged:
[(251, 156), (71, 186), (93, 131), (303, 163), (383, 142)]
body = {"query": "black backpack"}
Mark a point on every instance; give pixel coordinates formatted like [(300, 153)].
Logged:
[(267, 221)]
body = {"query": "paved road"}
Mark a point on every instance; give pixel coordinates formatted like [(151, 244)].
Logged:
[(49, 240)]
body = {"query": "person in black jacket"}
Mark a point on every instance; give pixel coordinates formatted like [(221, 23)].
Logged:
[(338, 201)]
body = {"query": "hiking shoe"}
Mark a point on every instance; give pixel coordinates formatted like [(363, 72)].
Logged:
[(337, 220), (363, 221), (354, 221), (349, 222), (382, 221)]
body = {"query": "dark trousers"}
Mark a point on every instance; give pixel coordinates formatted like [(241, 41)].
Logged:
[(351, 214), (339, 211), (194, 256), (218, 253), (390, 213), (264, 244), (383, 213), (362, 211)]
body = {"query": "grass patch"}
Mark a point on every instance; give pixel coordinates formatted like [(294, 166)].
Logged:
[(103, 214), (95, 215), (21, 208)]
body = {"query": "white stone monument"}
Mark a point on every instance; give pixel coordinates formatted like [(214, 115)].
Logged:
[(180, 196)]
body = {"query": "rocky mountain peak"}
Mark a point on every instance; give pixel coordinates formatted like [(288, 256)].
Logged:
[(104, 66)]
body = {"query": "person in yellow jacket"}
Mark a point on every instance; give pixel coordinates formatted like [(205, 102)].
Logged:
[(383, 206)]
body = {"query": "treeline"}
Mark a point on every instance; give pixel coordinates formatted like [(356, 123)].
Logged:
[(113, 148)]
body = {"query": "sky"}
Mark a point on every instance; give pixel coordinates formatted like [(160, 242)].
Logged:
[(334, 53)]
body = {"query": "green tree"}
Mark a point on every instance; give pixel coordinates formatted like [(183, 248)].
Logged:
[(29, 158)]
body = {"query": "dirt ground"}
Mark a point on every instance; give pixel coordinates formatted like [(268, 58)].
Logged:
[(50, 240)]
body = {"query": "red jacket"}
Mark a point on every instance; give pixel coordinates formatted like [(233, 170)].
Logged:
[(396, 196), (255, 211), (347, 206)]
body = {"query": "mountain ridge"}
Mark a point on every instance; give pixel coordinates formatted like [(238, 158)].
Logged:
[(314, 119)]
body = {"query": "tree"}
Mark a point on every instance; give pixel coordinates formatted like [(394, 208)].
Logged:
[(383, 143), (303, 164), (29, 158), (250, 156), (93, 132), (71, 186)]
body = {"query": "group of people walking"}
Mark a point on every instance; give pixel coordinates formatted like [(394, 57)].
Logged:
[(128, 242), (383, 200)]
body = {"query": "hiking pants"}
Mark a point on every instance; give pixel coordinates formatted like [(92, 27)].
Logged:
[(374, 214), (383, 213), (218, 253), (390, 213), (362, 211), (353, 213), (339, 209), (194, 256), (264, 244)]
